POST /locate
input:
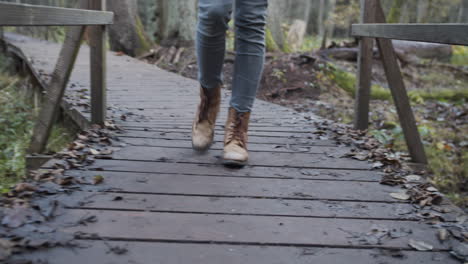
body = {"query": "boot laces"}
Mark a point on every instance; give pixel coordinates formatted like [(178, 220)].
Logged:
[(235, 134)]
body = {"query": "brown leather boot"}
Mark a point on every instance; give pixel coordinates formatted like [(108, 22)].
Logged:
[(205, 119), (235, 139)]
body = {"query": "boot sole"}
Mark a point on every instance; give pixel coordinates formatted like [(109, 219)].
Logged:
[(234, 163), (204, 149)]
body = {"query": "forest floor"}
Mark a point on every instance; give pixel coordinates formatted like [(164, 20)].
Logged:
[(18, 114), (309, 82)]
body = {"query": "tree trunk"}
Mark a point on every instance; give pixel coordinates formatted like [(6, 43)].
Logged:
[(176, 22), (127, 34), (275, 34), (321, 18), (463, 15)]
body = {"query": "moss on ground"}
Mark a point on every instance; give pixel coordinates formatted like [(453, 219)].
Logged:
[(460, 56)]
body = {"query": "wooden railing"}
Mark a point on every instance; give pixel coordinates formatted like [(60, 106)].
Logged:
[(373, 26), (77, 19)]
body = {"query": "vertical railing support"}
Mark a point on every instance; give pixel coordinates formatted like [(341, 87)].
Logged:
[(97, 45), (399, 93), (365, 59), (54, 94)]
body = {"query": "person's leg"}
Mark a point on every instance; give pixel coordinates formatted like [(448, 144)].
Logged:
[(213, 19), (250, 52), (250, 21)]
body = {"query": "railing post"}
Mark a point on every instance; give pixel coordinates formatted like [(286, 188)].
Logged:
[(60, 76), (97, 45), (365, 58), (399, 94)]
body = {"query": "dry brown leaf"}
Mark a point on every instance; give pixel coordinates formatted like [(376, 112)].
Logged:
[(400, 196), (98, 179), (420, 245)]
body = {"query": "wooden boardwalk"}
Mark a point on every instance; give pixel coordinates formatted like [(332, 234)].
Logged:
[(298, 201)]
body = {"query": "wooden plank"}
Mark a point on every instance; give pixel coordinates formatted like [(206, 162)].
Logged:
[(177, 155), (191, 185), (56, 89), (239, 206), (365, 59), (13, 14), (454, 34), (98, 67), (305, 141), (243, 206), (219, 127), (252, 132), (178, 253), (249, 171), (399, 94), (273, 126), (251, 230), (253, 147)]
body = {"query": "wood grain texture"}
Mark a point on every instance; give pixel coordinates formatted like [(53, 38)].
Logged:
[(175, 253), (454, 34), (98, 67), (365, 60), (12, 14)]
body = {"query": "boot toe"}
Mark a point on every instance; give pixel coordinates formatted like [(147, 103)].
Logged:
[(235, 156)]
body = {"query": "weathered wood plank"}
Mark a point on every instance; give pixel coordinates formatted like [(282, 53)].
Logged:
[(365, 59), (253, 147), (97, 45), (249, 171), (239, 206), (13, 14), (454, 34), (56, 89), (176, 155), (259, 230), (148, 136), (399, 94), (252, 132), (173, 253), (174, 127), (245, 187)]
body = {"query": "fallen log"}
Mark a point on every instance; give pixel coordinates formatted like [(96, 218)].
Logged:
[(407, 52)]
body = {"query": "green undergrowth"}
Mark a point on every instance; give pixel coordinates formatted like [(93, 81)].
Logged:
[(347, 81), (447, 159), (17, 117), (460, 56)]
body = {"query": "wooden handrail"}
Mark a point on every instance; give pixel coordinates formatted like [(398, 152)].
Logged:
[(372, 12), (454, 34), (40, 15), (12, 14)]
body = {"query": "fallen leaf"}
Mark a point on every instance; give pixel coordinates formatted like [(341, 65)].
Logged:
[(5, 249), (420, 245), (25, 187), (442, 234), (460, 251), (98, 179), (93, 151), (400, 196), (413, 178)]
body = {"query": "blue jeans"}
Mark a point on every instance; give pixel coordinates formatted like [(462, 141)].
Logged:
[(250, 20)]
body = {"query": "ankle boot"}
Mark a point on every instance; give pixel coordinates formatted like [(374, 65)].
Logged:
[(205, 119), (235, 139)]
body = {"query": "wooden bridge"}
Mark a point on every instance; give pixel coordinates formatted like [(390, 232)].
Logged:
[(298, 201)]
